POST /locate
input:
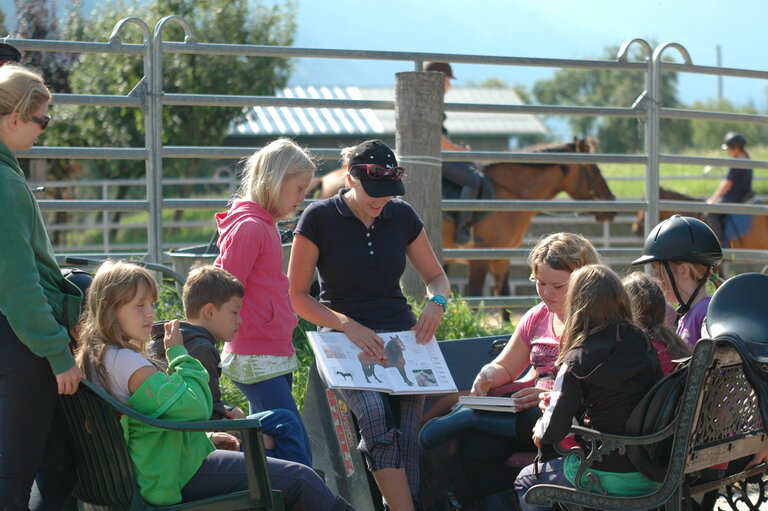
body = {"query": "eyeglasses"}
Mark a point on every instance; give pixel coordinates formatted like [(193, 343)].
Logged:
[(374, 171), (41, 121)]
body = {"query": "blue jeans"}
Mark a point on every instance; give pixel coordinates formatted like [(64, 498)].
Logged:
[(288, 433), (273, 394), (550, 472), (223, 472)]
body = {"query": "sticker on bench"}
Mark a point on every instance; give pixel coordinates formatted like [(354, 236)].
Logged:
[(343, 429)]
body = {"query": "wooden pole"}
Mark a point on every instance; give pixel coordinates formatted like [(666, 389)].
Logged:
[(418, 118)]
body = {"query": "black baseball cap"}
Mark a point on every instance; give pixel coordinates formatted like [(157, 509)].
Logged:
[(9, 53), (378, 153), (442, 67)]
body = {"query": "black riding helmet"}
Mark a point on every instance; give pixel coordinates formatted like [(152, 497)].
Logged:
[(682, 238), (733, 139)]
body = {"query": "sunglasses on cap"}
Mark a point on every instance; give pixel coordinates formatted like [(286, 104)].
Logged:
[(374, 171), (41, 121)]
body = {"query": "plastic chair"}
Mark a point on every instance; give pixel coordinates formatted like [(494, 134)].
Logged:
[(105, 475)]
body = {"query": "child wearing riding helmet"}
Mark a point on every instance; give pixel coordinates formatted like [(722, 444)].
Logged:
[(607, 364), (261, 358), (683, 253)]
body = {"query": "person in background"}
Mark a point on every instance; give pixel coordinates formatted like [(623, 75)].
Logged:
[(359, 242), (648, 311), (683, 253), (737, 185), (37, 309), (212, 299), (463, 174), (607, 364), (261, 358)]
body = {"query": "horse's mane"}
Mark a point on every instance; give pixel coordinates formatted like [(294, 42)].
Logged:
[(392, 349), (566, 147), (667, 194)]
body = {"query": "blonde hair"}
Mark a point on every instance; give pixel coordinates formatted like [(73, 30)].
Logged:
[(596, 300), (267, 169), (562, 251), (649, 308), (346, 154), (21, 91), (114, 285), (697, 270), (208, 284)]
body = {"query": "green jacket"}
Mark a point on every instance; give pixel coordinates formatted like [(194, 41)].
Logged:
[(33, 295), (165, 460)]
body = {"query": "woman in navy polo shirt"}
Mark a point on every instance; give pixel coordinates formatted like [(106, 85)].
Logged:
[(359, 241)]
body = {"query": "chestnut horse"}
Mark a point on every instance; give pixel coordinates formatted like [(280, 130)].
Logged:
[(506, 229), (755, 237)]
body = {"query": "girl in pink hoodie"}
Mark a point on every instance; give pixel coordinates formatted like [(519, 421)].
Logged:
[(261, 358)]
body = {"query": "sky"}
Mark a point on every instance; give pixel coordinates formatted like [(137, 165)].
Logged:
[(569, 29)]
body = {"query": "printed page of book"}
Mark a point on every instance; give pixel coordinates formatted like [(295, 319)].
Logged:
[(409, 368)]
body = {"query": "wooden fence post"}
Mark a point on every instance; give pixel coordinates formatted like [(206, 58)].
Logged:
[(418, 118)]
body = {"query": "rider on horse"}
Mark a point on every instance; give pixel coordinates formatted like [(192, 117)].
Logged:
[(465, 175), (737, 185)]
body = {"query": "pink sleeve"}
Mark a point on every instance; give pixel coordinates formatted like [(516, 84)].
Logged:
[(527, 323), (240, 249)]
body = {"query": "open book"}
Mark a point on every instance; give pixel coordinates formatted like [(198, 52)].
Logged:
[(410, 368), (489, 403)]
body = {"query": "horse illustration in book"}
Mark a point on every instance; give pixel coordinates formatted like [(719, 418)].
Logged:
[(393, 350)]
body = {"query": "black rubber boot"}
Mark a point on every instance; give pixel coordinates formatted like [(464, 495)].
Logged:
[(463, 232)]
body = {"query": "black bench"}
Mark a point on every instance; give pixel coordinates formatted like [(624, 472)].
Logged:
[(105, 477), (718, 420)]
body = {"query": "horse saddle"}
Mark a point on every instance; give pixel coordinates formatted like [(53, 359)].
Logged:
[(736, 316)]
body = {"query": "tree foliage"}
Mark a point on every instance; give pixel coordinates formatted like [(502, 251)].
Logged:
[(216, 21), (709, 134), (605, 87)]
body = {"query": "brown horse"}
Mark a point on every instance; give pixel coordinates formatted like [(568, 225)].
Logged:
[(506, 229), (393, 350), (756, 237)]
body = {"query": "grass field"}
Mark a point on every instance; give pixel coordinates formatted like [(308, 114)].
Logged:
[(627, 181)]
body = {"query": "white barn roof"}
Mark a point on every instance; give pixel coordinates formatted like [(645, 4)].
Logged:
[(276, 121)]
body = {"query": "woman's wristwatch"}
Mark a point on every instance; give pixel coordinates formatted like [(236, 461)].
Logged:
[(440, 300)]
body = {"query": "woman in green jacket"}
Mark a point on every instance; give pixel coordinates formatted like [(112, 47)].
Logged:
[(37, 307)]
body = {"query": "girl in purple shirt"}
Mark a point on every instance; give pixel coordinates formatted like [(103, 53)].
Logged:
[(683, 253)]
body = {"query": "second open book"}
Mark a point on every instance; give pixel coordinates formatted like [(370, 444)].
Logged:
[(409, 368)]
